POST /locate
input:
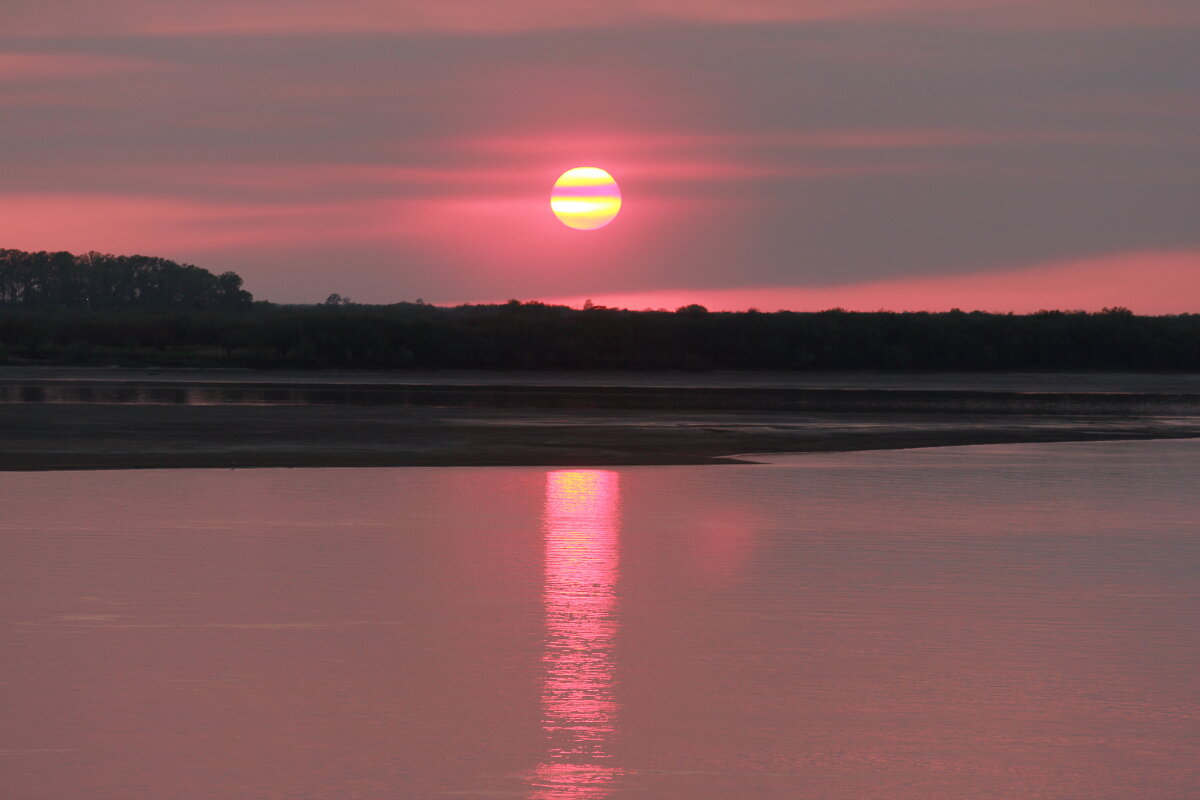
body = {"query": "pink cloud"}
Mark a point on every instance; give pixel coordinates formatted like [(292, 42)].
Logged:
[(50, 17), (1147, 282), (462, 169), (58, 17), (157, 226), (671, 147), (42, 66)]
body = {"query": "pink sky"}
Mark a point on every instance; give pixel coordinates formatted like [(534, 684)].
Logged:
[(1147, 283), (998, 154)]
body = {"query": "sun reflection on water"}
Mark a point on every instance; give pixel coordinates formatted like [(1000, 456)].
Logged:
[(582, 529)]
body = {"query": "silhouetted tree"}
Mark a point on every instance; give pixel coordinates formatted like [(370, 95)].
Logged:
[(100, 281)]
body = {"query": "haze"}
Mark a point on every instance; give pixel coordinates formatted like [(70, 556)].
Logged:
[(900, 154)]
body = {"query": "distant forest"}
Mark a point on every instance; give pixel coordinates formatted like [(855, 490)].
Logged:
[(134, 310), (98, 281)]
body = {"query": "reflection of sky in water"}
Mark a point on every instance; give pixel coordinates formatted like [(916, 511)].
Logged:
[(578, 709), (978, 622)]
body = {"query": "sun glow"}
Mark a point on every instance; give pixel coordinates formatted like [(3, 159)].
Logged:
[(585, 198)]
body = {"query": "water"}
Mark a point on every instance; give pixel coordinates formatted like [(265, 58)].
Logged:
[(74, 378), (1096, 393), (975, 622)]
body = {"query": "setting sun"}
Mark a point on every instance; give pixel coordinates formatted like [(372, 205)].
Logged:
[(585, 198)]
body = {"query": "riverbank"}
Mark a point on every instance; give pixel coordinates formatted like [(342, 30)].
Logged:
[(44, 436), (121, 419)]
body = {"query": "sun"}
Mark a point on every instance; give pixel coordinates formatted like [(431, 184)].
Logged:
[(585, 198)]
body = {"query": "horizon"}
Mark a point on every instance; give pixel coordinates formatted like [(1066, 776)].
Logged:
[(867, 298)]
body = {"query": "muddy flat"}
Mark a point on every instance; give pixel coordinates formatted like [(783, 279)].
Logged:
[(112, 419)]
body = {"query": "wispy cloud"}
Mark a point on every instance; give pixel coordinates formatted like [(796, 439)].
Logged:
[(175, 17), (42, 66)]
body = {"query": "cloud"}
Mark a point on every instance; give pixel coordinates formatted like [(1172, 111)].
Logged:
[(59, 17), (154, 226), (187, 17), (892, 142), (56, 66)]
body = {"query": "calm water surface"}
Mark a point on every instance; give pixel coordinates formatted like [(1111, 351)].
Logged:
[(976, 622)]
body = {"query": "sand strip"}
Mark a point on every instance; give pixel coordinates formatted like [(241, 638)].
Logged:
[(46, 436)]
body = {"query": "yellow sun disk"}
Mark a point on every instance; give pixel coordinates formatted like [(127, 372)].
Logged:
[(585, 198), (595, 206), (585, 176)]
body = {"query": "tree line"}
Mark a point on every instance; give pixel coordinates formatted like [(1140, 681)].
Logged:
[(535, 336), (135, 310), (99, 281)]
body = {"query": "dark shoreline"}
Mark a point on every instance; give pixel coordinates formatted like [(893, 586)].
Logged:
[(65, 420), (73, 437), (593, 398)]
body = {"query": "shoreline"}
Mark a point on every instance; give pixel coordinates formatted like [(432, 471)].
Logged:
[(1087, 382), (132, 419), (740, 459), (43, 437)]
